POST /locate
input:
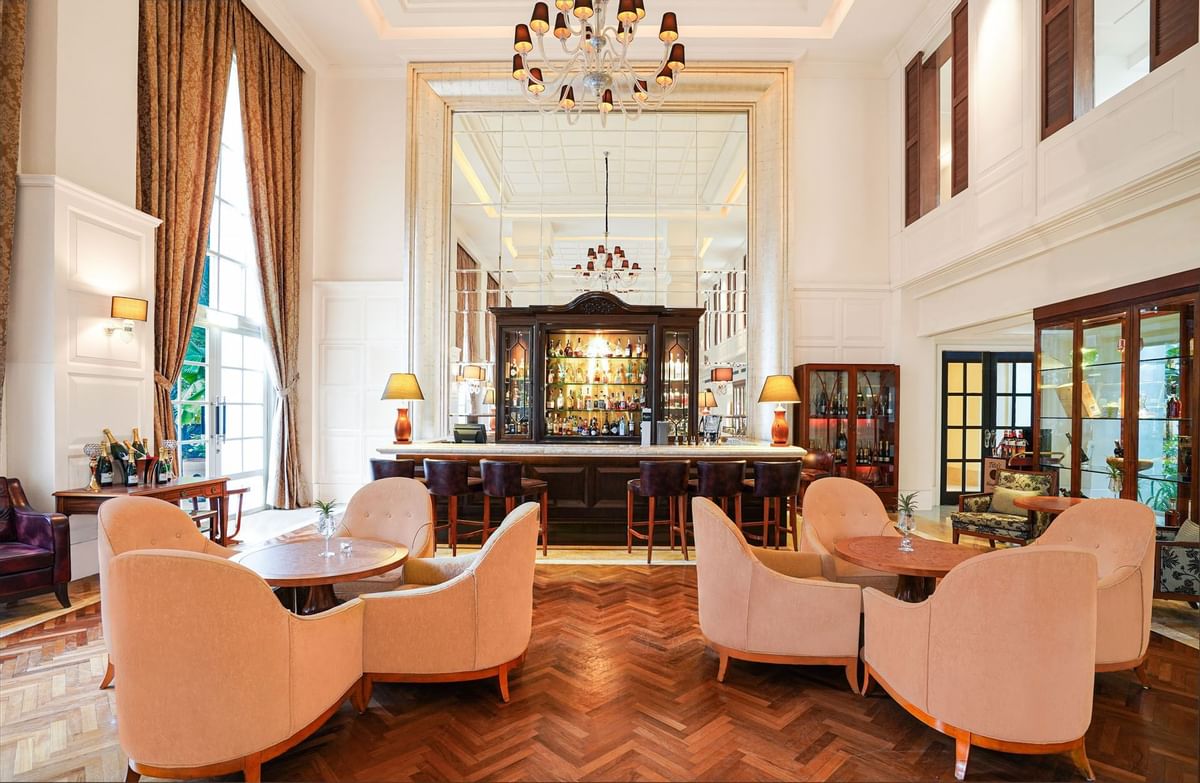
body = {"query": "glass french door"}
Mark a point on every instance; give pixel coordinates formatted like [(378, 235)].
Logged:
[(962, 424)]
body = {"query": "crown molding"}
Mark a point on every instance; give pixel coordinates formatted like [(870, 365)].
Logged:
[(54, 182)]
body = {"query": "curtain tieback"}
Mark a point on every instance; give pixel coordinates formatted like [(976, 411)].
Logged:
[(288, 388), (161, 381)]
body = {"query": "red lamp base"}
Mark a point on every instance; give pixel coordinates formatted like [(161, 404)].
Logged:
[(779, 429), (403, 427)]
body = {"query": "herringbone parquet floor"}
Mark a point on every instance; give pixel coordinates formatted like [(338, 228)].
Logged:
[(617, 685)]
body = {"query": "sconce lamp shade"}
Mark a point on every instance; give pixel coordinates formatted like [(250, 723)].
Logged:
[(402, 386), (473, 372), (708, 399), (722, 375), (129, 309), (489, 397), (779, 388)]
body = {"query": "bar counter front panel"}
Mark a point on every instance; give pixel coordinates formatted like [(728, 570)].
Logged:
[(588, 480)]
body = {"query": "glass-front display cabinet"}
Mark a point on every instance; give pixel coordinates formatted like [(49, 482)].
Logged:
[(605, 371), (1117, 396), (852, 411)]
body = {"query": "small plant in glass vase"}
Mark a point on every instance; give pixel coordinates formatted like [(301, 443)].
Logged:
[(326, 524), (906, 507)]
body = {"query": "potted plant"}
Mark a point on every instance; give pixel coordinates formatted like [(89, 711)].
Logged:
[(906, 506)]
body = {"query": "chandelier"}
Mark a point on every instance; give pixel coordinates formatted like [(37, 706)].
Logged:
[(612, 269), (593, 71)]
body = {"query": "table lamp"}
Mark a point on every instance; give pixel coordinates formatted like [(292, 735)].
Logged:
[(402, 386), (779, 389), (708, 401)]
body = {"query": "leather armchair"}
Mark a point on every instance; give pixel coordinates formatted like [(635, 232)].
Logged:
[(132, 523), (35, 548), (280, 676), (837, 508), (396, 510), (767, 605), (933, 657), (458, 619), (1120, 533)]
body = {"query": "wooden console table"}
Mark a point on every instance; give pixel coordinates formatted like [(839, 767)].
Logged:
[(215, 490)]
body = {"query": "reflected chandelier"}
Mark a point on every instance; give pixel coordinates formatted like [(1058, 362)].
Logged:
[(611, 268), (595, 64)]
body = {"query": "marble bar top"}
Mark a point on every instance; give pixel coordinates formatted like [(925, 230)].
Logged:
[(597, 450)]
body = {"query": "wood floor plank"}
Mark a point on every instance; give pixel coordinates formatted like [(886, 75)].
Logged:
[(617, 685)]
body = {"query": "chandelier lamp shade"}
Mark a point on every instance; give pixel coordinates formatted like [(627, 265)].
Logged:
[(590, 67)]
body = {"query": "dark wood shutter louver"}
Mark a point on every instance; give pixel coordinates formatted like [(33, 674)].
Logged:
[(912, 138), (1058, 65), (959, 119), (1174, 26)]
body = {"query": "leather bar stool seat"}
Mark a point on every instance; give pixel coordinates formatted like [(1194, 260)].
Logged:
[(669, 480), (507, 480), (393, 468), (721, 482), (451, 479), (778, 484), (814, 465)]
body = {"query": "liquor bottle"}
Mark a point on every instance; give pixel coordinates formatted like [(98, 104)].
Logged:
[(104, 466), (840, 449), (629, 348), (559, 402), (1174, 407), (623, 427), (593, 427)]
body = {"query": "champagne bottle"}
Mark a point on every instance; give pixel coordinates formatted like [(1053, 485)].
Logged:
[(104, 466)]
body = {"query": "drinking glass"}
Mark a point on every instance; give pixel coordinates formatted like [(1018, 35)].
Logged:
[(326, 526), (905, 525)]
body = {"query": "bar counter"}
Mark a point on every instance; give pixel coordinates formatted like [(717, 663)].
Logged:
[(588, 480)]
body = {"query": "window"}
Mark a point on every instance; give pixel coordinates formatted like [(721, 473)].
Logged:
[(935, 122), (224, 396), (1093, 49)]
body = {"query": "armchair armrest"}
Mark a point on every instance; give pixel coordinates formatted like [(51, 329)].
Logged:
[(436, 570), (801, 565), (801, 617), (1121, 608), (47, 531), (811, 542), (1177, 570), (421, 630), (326, 659), (975, 501), (896, 643)]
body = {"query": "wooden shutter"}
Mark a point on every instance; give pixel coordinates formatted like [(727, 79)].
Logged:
[(930, 119), (958, 100), (912, 139), (1058, 65), (1174, 26)]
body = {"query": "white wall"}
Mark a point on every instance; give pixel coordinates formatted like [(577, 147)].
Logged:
[(1112, 199)]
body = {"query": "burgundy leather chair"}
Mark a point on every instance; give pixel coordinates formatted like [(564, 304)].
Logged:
[(35, 548)]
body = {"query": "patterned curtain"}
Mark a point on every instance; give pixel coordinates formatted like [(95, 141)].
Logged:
[(184, 55), (271, 88), (12, 68)]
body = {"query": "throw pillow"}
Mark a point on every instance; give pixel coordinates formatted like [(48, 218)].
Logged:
[(1188, 531), (1002, 500)]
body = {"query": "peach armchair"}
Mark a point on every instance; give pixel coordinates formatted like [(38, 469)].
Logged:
[(280, 677), (1120, 533), (837, 508), (770, 606), (470, 618), (396, 510), (132, 523), (1033, 604)]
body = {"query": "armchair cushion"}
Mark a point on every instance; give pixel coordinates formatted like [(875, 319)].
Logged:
[(1188, 531), (1004, 500), (975, 503), (991, 522), (1178, 569), (801, 565), (17, 558)]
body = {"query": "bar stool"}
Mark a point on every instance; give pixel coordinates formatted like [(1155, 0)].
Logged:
[(815, 465), (506, 480), (668, 479), (720, 481), (450, 479), (393, 468), (777, 482)]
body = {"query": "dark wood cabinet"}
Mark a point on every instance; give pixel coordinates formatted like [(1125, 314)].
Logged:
[(1116, 403), (596, 369), (852, 411)]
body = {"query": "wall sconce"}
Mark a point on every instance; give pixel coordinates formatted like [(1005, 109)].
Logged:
[(721, 377), (126, 309), (472, 375)]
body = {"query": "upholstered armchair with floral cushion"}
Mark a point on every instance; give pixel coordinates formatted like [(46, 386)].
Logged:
[(768, 605), (1036, 605), (1177, 563), (1120, 533), (994, 515), (132, 523), (457, 618), (216, 676), (396, 510), (837, 508)]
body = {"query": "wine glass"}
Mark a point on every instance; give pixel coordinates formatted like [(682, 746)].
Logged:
[(906, 526), (327, 525)]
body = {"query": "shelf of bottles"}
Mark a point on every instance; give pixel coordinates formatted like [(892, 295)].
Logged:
[(851, 413), (595, 383), (677, 382), (516, 405)]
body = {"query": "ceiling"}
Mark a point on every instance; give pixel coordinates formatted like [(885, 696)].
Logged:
[(381, 33)]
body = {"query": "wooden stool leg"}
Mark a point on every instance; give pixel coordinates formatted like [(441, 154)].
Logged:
[(629, 522), (766, 519), (725, 506), (793, 525), (453, 503), (487, 519), (682, 514), (737, 511), (545, 502), (671, 521), (650, 534)]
